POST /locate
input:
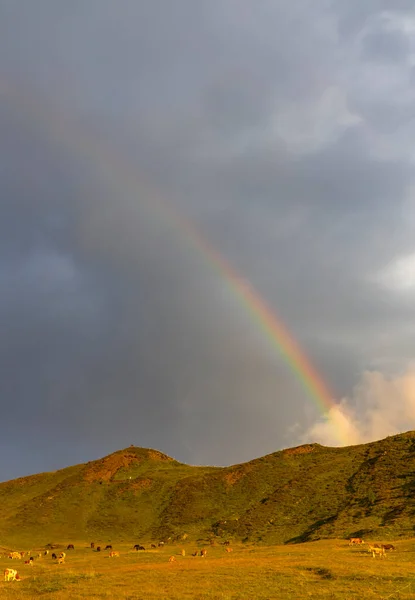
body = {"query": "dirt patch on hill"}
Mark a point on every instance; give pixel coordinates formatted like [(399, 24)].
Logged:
[(105, 469), (232, 477), (306, 449), (156, 455), (141, 484), (136, 486)]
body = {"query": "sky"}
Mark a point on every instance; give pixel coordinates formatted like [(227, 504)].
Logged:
[(281, 134)]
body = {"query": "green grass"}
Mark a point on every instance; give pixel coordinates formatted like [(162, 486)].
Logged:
[(326, 569)]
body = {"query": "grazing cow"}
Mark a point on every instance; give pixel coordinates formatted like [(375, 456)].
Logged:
[(203, 552), (388, 546), (61, 560), (98, 548), (354, 541), (136, 547), (29, 562), (153, 546), (228, 549), (16, 555), (377, 551), (70, 547), (62, 555), (172, 559), (11, 575), (195, 553), (46, 552), (161, 544), (114, 553), (54, 556), (92, 545), (108, 547), (226, 543)]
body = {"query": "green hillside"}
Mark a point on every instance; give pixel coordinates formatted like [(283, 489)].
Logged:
[(295, 495)]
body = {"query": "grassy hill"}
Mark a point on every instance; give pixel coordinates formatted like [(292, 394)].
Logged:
[(295, 495)]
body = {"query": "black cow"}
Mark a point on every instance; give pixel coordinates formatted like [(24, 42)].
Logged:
[(54, 556), (98, 548), (92, 545), (109, 547), (70, 547), (153, 546)]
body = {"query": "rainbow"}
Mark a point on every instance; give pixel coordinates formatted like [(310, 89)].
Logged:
[(114, 166)]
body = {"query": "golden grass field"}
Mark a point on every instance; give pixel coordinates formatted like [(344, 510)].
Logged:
[(323, 569)]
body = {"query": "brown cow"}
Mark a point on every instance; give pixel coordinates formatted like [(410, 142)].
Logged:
[(92, 545), (29, 562), (108, 547), (203, 552), (114, 553), (355, 541), (388, 546), (70, 547), (172, 559), (228, 549), (61, 560)]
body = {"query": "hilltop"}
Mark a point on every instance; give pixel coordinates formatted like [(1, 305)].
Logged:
[(294, 495)]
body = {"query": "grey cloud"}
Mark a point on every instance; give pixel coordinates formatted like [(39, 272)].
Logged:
[(353, 16), (125, 331), (385, 47)]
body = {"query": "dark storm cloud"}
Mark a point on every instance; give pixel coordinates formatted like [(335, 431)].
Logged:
[(283, 132)]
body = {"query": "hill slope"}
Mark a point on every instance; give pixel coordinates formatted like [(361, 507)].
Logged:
[(294, 495)]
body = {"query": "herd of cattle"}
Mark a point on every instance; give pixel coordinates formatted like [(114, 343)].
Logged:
[(12, 574), (374, 549)]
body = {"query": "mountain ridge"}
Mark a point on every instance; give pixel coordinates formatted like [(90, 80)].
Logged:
[(293, 495)]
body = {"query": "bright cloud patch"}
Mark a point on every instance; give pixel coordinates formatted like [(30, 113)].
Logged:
[(380, 406), (400, 274)]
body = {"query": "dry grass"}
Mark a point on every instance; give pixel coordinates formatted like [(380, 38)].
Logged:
[(327, 569)]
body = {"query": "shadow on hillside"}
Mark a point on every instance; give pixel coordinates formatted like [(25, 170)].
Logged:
[(390, 517), (308, 534)]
